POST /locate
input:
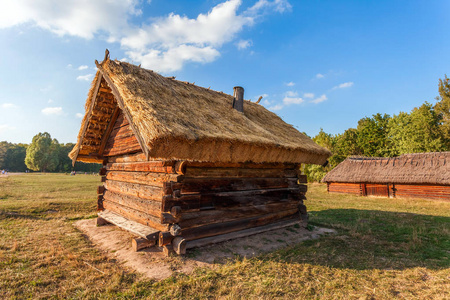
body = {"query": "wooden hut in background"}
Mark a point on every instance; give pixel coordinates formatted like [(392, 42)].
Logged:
[(184, 165), (418, 175)]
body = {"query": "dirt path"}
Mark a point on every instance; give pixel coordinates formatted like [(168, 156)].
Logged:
[(154, 265)]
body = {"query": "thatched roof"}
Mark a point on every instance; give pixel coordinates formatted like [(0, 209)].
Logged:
[(417, 168), (177, 120)]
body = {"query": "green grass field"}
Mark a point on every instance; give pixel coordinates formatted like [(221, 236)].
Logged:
[(384, 249)]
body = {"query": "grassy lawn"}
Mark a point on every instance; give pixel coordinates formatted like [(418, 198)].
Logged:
[(385, 248)]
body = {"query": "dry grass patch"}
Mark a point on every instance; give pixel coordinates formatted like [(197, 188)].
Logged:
[(384, 249)]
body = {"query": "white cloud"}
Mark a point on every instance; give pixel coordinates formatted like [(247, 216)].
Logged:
[(79, 115), (86, 77), (174, 58), (308, 95), (291, 97), (292, 100), (244, 44), (48, 111), (82, 18), (277, 5), (50, 101), (9, 105), (290, 83), (5, 127), (163, 44), (168, 43), (83, 67), (69, 66), (320, 76), (320, 99), (344, 85), (276, 107)]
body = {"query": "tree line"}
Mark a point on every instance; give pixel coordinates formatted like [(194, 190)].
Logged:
[(424, 129), (44, 154)]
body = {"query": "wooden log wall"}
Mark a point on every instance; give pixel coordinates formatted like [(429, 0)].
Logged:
[(215, 199), (207, 200), (438, 192), (134, 188), (393, 190), (377, 189), (345, 188), (121, 139)]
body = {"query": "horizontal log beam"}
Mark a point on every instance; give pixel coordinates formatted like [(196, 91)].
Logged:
[(151, 207), (242, 165), (150, 178), (135, 215), (140, 243), (137, 157), (227, 227), (135, 189), (138, 229), (230, 199), (150, 166), (241, 233), (207, 185), (200, 218), (240, 172)]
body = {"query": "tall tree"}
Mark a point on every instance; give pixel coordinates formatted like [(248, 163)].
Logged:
[(42, 154), (442, 108), (416, 132), (12, 156), (372, 135)]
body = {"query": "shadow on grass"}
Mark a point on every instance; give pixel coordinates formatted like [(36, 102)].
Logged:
[(372, 239), (16, 215)]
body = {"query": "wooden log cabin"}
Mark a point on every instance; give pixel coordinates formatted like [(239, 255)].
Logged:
[(418, 175), (184, 166)]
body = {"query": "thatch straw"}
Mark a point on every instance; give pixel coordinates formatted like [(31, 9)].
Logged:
[(177, 120), (417, 168)]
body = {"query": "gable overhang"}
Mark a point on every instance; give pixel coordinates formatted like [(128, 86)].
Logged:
[(97, 157)]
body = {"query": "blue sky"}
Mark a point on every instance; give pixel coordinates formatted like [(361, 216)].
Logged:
[(318, 64)]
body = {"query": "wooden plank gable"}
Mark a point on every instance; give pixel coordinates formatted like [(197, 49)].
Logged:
[(121, 139)]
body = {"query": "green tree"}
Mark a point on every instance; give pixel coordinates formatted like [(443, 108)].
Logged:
[(64, 162), (42, 154), (442, 108), (12, 156), (416, 132), (372, 135)]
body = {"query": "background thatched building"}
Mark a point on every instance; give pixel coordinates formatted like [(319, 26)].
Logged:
[(418, 175), (182, 166)]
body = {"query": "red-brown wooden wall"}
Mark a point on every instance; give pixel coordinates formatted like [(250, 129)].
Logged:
[(441, 192)]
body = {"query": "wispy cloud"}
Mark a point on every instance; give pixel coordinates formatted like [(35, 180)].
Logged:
[(83, 67), (290, 84), (49, 111), (163, 44), (308, 95), (46, 89), (276, 107), (50, 101), (9, 105), (244, 44), (291, 97), (79, 115), (320, 76), (344, 85), (276, 5), (69, 66), (86, 77), (320, 99)]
